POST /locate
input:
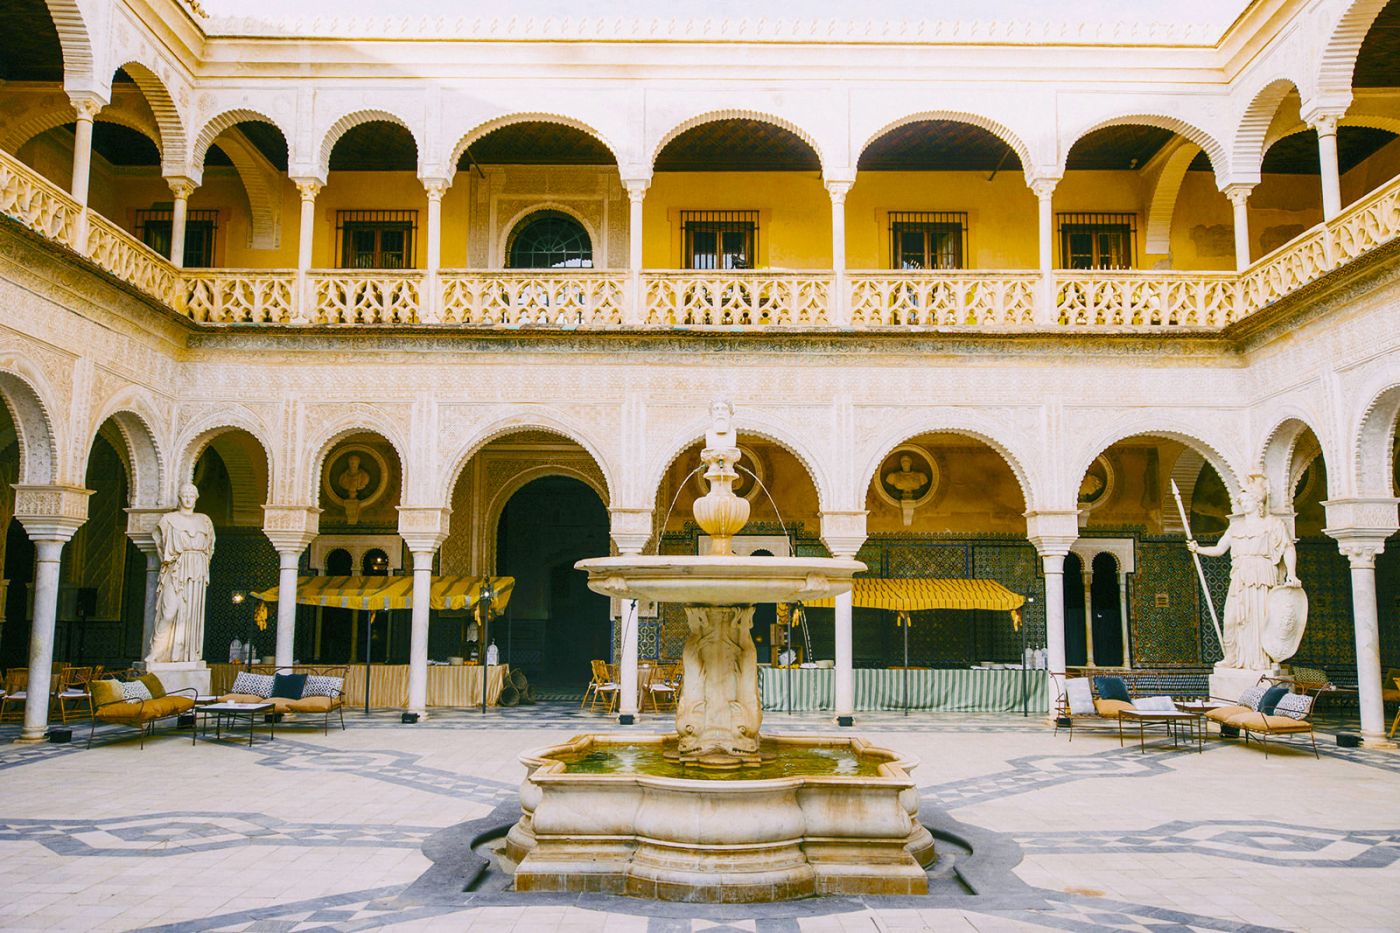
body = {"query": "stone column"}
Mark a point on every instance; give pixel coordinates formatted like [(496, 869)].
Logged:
[(840, 299), (1052, 533), (1123, 617), (1044, 189), (291, 529), (308, 188), (1239, 200), (1326, 126), (86, 109), (636, 311), (844, 533), (50, 515), (181, 188), (627, 670), (430, 302), (139, 525), (630, 528), (1087, 578), (423, 529), (1360, 527)]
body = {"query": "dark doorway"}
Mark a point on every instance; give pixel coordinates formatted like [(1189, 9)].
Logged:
[(1108, 620), (19, 570), (1076, 647), (555, 625)]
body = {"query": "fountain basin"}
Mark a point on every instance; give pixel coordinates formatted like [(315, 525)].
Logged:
[(719, 836), (719, 580)]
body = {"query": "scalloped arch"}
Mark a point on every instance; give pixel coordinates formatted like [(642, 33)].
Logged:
[(172, 141), (713, 116), (497, 123), (1254, 124), (1276, 456), (1138, 424), (1374, 450), (134, 421), (357, 118), (1162, 209), (216, 125), (515, 424), (360, 421), (24, 130), (999, 130), (1337, 63), (770, 431), (1219, 158), (200, 434), (73, 38), (972, 428), (29, 408)]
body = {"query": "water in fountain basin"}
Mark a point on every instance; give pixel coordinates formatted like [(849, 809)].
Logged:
[(650, 759)]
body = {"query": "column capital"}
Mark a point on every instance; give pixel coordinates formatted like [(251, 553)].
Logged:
[(631, 529), (843, 532), (140, 527), (1361, 525), (636, 186), (1237, 192), (423, 528), (838, 188), (436, 187), (1044, 186), (1053, 532), (86, 104), (291, 527), (182, 186), (308, 187), (51, 513), (1324, 120)]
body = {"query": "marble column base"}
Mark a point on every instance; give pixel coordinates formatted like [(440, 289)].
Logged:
[(177, 675)]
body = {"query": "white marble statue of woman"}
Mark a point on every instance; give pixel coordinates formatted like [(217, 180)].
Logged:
[(1262, 560), (184, 543)]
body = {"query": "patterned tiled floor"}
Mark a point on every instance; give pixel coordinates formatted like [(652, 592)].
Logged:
[(365, 829)]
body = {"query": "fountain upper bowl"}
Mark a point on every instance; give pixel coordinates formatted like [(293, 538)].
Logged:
[(719, 580)]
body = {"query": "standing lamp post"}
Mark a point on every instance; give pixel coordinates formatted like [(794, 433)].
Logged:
[(238, 599), (488, 595)]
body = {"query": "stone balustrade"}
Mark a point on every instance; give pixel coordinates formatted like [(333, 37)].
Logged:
[(964, 299)]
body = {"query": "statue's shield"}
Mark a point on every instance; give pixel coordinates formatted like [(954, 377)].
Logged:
[(1288, 616)]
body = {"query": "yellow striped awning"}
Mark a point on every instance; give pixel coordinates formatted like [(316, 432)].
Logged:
[(912, 594), (393, 592)]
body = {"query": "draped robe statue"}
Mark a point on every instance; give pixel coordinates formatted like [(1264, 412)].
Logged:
[(1266, 608), (184, 543)]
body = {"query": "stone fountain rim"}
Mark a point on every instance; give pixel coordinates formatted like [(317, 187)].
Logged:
[(722, 562), (550, 770)]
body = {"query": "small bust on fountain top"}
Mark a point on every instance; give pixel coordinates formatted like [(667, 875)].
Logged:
[(720, 513)]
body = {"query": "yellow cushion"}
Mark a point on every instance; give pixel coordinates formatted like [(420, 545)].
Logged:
[(241, 698), (123, 712), (1110, 709), (1224, 714), (105, 691), (312, 705), (153, 684)]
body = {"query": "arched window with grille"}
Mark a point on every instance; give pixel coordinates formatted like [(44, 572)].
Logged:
[(549, 240)]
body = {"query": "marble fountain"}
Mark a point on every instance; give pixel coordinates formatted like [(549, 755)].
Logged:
[(716, 812)]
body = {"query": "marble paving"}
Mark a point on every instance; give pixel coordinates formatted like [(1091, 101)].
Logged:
[(372, 828)]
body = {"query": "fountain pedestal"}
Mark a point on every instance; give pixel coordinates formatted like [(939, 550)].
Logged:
[(718, 711)]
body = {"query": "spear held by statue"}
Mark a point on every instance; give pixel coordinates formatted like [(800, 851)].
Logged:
[(1196, 559)]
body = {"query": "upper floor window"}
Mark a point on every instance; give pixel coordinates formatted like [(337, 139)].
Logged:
[(153, 228), (549, 240), (1097, 241), (928, 240), (720, 239), (376, 239)]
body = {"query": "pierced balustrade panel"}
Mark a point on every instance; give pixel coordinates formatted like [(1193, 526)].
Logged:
[(240, 296), (379, 297), (1285, 270), (1105, 298), (130, 260), (536, 298), (942, 298), (36, 202), (1367, 224), (737, 299)]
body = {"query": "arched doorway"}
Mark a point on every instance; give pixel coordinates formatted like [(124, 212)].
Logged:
[(1105, 621), (547, 526), (549, 240)]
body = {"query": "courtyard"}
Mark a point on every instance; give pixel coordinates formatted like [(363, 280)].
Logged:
[(373, 827)]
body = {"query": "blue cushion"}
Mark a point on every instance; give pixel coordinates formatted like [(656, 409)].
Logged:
[(1271, 698), (1112, 688), (288, 686)]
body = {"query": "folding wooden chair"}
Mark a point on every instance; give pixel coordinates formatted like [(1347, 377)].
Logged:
[(16, 690)]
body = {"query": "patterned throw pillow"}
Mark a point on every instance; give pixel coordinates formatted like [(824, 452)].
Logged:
[(1294, 706), (135, 691), (318, 685), (1253, 696), (258, 685), (1161, 704)]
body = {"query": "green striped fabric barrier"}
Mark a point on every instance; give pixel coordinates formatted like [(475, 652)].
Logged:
[(964, 691)]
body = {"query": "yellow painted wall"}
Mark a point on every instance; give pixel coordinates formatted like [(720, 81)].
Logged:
[(1203, 226)]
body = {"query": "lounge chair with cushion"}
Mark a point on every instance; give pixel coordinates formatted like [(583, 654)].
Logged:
[(316, 692), (1100, 699), (1292, 716), (138, 703)]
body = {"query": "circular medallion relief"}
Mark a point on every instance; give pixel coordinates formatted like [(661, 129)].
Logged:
[(1097, 484), (354, 478), (907, 477)]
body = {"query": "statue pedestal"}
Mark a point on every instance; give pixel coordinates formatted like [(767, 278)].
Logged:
[(1227, 683), (177, 675)]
